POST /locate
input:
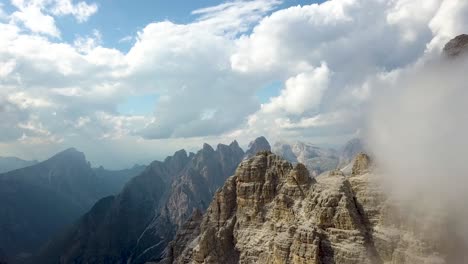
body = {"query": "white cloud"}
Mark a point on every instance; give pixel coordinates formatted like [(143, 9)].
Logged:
[(36, 21), (81, 11), (88, 43), (234, 17), (360, 41), (26, 101), (329, 58), (126, 39), (38, 15), (302, 93), (450, 20)]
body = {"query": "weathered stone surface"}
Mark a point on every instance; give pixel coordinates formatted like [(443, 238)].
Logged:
[(361, 164), (272, 212), (457, 46)]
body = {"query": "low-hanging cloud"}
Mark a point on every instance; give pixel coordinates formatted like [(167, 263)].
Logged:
[(418, 133)]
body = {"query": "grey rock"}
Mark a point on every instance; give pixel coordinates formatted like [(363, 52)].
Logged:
[(266, 214), (259, 144), (456, 46)]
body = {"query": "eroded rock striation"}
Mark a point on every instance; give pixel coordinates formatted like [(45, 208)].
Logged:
[(273, 212)]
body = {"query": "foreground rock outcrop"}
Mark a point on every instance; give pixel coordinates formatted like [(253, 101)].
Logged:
[(273, 212)]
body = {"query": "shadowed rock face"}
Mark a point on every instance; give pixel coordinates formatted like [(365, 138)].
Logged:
[(38, 201), (271, 212), (457, 46)]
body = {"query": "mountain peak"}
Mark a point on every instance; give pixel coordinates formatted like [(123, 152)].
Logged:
[(362, 163), (234, 144), (69, 154), (457, 46), (259, 144), (207, 147), (180, 154)]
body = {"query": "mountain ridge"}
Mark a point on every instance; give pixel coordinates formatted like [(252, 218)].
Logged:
[(270, 211), (152, 206)]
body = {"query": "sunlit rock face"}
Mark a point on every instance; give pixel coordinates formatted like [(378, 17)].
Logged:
[(272, 212)]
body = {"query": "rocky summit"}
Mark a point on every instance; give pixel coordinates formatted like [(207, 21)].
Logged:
[(457, 46), (273, 212)]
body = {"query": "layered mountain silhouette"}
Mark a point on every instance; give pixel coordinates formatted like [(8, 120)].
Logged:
[(137, 224), (14, 163), (38, 201)]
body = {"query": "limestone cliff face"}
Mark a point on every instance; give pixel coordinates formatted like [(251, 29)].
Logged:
[(273, 212)]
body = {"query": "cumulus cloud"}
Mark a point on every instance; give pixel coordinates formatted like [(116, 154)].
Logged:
[(36, 21), (302, 92), (81, 10), (38, 15), (189, 64), (329, 58)]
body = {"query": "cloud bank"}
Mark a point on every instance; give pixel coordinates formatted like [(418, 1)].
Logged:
[(207, 74)]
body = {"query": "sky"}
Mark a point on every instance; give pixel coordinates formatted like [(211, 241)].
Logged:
[(133, 81)]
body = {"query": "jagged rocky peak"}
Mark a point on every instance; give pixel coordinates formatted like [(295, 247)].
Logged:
[(179, 157), (207, 147), (259, 144), (457, 46), (362, 164), (271, 212)]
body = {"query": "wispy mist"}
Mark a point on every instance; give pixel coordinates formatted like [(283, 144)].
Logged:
[(418, 133)]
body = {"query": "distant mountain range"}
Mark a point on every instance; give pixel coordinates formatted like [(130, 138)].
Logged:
[(130, 225), (137, 224), (14, 163), (38, 201), (318, 159)]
